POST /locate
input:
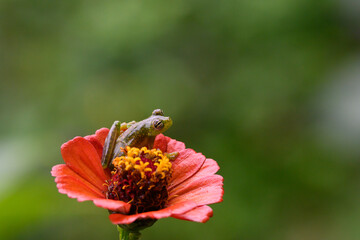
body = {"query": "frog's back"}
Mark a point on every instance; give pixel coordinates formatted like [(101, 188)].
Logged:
[(140, 134), (134, 136)]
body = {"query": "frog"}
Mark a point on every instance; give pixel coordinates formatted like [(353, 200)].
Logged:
[(134, 134)]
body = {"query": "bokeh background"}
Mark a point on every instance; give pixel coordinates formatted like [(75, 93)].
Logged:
[(270, 89)]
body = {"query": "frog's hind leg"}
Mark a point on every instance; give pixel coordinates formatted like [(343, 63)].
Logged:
[(109, 144), (125, 126)]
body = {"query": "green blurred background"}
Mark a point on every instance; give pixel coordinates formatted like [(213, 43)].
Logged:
[(269, 89)]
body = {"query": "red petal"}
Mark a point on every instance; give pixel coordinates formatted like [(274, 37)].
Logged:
[(68, 182), (161, 142), (175, 146), (98, 139), (185, 166), (176, 209), (199, 214), (202, 190), (114, 205), (210, 167), (101, 135), (75, 189), (62, 170), (83, 159), (75, 186)]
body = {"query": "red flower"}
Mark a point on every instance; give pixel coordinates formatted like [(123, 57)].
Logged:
[(192, 186)]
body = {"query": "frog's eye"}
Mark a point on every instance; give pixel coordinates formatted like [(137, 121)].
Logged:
[(158, 112), (158, 124)]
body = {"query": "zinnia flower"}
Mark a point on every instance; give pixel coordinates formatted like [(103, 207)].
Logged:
[(144, 184)]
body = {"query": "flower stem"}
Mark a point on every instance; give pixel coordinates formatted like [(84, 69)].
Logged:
[(125, 234)]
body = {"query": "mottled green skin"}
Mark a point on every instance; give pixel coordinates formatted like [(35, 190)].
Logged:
[(139, 134)]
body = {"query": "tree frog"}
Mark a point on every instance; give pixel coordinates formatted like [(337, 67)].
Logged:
[(134, 134)]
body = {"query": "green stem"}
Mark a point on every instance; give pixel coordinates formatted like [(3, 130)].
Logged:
[(125, 234)]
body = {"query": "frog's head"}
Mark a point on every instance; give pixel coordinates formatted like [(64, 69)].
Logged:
[(158, 123)]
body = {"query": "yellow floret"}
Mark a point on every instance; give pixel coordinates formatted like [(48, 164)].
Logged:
[(132, 162)]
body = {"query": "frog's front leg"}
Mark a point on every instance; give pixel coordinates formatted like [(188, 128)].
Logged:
[(150, 145), (172, 156), (109, 144)]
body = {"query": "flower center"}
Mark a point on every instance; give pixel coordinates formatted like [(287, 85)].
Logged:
[(140, 177)]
